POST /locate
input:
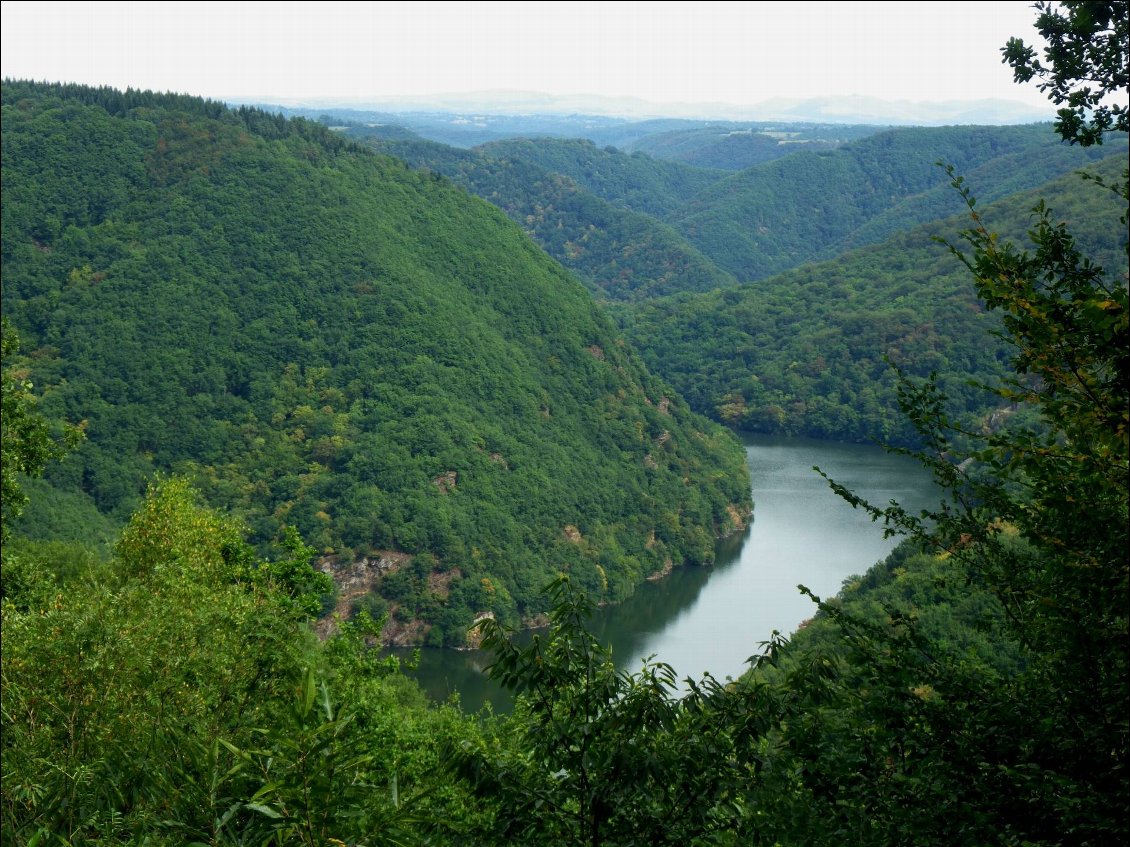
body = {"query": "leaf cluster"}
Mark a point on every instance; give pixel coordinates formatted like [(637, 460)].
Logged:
[(1085, 66), (167, 698), (593, 755)]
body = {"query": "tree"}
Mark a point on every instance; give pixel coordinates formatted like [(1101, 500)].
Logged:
[(1038, 514), (1086, 65), (1037, 504), (115, 691), (26, 446), (26, 439), (600, 757)]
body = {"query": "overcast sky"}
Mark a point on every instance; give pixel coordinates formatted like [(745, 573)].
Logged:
[(665, 52)]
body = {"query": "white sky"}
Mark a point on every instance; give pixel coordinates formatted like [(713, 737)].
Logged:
[(663, 52)]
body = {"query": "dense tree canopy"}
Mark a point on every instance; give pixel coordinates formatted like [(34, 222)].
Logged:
[(27, 441), (815, 205), (326, 339), (805, 352), (619, 253)]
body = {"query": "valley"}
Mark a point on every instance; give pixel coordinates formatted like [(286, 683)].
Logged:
[(389, 365), (386, 477), (711, 620)]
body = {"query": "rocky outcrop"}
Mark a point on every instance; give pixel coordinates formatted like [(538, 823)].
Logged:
[(739, 518), (353, 580), (668, 566), (439, 582)]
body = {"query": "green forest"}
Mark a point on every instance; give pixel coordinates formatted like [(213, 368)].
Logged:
[(810, 351), (735, 147), (815, 205), (806, 351), (275, 395), (321, 338), (620, 254)]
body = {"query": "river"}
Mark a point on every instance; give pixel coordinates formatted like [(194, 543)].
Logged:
[(714, 619)]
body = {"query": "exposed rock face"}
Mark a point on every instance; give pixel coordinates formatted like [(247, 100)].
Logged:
[(403, 634), (572, 534), (355, 579), (739, 519), (439, 583), (668, 566), (539, 621), (445, 482), (363, 572)]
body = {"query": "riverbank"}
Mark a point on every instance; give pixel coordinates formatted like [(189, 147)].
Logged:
[(713, 619)]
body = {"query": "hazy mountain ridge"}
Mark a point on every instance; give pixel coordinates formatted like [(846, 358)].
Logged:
[(848, 110)]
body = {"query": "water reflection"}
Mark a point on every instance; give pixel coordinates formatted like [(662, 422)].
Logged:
[(640, 621), (714, 619)]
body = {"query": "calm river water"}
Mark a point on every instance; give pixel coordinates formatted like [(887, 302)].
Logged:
[(714, 619)]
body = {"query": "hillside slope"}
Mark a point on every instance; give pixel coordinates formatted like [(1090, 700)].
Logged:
[(620, 254), (803, 352), (814, 205), (634, 227), (735, 147), (322, 337), (628, 180)]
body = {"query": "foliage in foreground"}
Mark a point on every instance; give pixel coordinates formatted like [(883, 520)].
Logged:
[(27, 442), (177, 696), (593, 755)]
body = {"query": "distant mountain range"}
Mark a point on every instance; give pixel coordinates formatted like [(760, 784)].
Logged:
[(848, 110)]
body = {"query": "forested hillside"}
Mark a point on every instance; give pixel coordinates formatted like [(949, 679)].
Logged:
[(814, 205), (618, 253), (737, 146), (722, 147), (630, 181), (634, 227), (321, 337), (805, 352)]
